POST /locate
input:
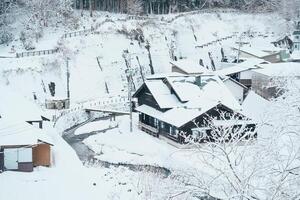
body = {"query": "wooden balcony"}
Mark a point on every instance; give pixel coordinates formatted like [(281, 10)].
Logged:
[(148, 129)]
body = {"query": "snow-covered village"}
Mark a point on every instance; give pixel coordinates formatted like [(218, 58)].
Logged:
[(150, 99)]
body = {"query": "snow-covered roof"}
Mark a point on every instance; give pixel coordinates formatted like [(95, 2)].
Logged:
[(227, 78), (183, 84), (249, 64), (199, 100), (190, 67), (282, 37), (164, 75), (295, 56), (21, 133), (14, 105), (255, 106), (254, 51), (161, 93), (280, 69)]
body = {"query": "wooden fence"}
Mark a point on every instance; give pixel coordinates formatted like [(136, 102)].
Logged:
[(215, 41), (36, 53), (86, 31), (203, 11), (77, 33)]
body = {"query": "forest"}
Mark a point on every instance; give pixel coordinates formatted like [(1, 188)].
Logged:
[(174, 6), (37, 14)]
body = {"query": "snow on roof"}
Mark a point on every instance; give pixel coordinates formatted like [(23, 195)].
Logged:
[(161, 93), (240, 67), (164, 75), (181, 85), (281, 37), (227, 78), (253, 51), (20, 133), (255, 106), (295, 55), (280, 69), (200, 100), (14, 105), (190, 67)]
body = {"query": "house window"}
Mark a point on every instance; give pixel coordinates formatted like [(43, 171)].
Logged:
[(162, 125), (173, 131), (155, 123), (199, 134), (227, 115)]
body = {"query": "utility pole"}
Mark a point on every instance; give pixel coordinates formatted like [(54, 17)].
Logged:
[(239, 51), (129, 75), (68, 79)]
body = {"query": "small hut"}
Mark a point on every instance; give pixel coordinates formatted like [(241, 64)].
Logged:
[(23, 147)]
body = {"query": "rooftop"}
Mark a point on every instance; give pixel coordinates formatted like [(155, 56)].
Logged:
[(260, 53), (190, 66), (20, 133), (280, 69), (15, 106), (249, 64), (198, 100)]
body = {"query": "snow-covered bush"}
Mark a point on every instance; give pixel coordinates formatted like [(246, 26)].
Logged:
[(27, 40), (133, 34), (5, 35)]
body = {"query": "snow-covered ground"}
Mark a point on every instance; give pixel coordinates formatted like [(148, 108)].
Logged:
[(69, 179)]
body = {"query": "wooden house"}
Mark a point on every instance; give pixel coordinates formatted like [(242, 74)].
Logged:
[(264, 79), (23, 147), (173, 107), (296, 38), (284, 42)]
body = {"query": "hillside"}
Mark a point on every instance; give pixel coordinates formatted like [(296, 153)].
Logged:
[(167, 36)]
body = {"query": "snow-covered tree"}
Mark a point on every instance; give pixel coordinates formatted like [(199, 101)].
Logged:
[(7, 11), (237, 166)]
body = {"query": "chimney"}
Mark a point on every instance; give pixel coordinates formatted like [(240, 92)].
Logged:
[(198, 80)]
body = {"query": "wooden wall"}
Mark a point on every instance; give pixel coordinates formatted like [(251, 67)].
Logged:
[(1, 160), (41, 155)]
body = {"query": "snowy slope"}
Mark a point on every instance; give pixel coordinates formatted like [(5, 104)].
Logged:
[(88, 81)]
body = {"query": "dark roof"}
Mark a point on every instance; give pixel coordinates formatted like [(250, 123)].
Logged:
[(296, 32)]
